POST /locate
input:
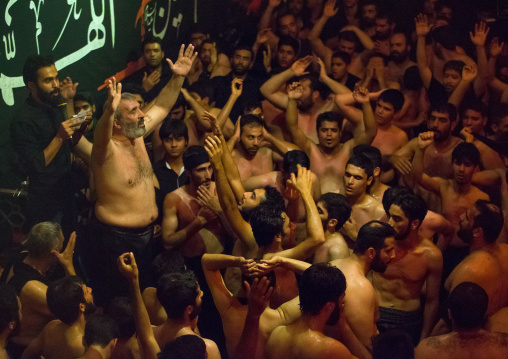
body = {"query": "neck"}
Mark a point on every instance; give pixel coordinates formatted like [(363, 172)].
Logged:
[(121, 138), (317, 322), (356, 199), (152, 69), (176, 324), (384, 126), (245, 154), (361, 263), (330, 150), (174, 161), (242, 77), (105, 353), (411, 240), (461, 188), (481, 245), (274, 247), (191, 189), (79, 324), (41, 265), (443, 144)]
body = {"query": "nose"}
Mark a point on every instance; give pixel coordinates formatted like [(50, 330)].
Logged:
[(390, 222), (351, 180), (173, 143), (209, 173), (462, 167), (256, 142), (56, 83), (393, 254)]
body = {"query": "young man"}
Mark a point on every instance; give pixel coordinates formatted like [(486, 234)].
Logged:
[(83, 101), (467, 308), (418, 262), (376, 188), (70, 301), (389, 138), (339, 70), (322, 290), (328, 156), (100, 338)]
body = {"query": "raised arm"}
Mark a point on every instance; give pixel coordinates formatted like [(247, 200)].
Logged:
[(422, 29), (266, 18), (345, 103), (168, 95), (469, 74), (199, 111), (147, 344), (478, 39), (401, 160), (425, 139), (319, 48), (104, 129), (295, 92), (236, 91), (365, 39), (365, 132), (270, 89), (336, 87)]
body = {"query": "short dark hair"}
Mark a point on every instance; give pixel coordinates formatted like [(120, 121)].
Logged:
[(329, 116), (176, 128), (490, 219), (251, 120), (413, 206), (468, 304), (193, 155), (274, 199), (251, 105), (64, 297), (289, 41), (100, 330), (292, 159), (350, 36), (371, 152), (169, 261), (176, 291), (475, 105), (499, 112), (9, 310), (244, 47), (338, 208), (188, 346), (362, 162), (344, 56), (150, 40), (447, 36), (85, 97), (385, 15), (393, 97), (372, 235), (393, 344), (392, 193), (266, 223), (120, 310), (33, 64), (315, 84), (455, 65), (203, 89), (180, 102), (447, 108), (320, 283), (465, 151), (412, 79)]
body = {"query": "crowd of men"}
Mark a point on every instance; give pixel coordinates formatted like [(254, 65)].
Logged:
[(324, 180)]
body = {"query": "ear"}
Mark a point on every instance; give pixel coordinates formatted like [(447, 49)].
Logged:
[(415, 224), (162, 52), (477, 232), (113, 343), (116, 124), (377, 171), (206, 100), (331, 225), (31, 86), (12, 325), (315, 95), (454, 124), (93, 108), (189, 310), (278, 238), (82, 307), (369, 180), (484, 121), (371, 253), (494, 128)]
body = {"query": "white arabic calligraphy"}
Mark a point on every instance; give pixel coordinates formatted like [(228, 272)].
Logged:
[(10, 46), (38, 25), (8, 17), (73, 4)]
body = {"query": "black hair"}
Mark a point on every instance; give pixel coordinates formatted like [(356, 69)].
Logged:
[(362, 162), (120, 310), (499, 112), (100, 330), (180, 102), (292, 159), (371, 152), (244, 47), (251, 120), (393, 97), (413, 206), (33, 64), (468, 304), (193, 155), (315, 84), (64, 297), (266, 223), (151, 40), (320, 283), (392, 193), (475, 105), (9, 310), (393, 344), (385, 15), (412, 79), (169, 261), (270, 276), (203, 89), (251, 105), (455, 65), (176, 128), (176, 291), (372, 235), (466, 151), (85, 97), (350, 36), (289, 41), (188, 346), (447, 108), (274, 199), (337, 207), (447, 36), (490, 219), (330, 116), (344, 56)]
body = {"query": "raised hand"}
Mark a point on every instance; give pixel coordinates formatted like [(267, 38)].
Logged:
[(206, 215), (67, 88), (480, 34), (425, 139), (322, 69), (263, 36), (422, 25), (248, 266), (382, 47), (469, 73), (207, 198), (258, 295), (149, 81), (214, 149), (66, 129), (295, 91), (65, 258), (183, 65), (114, 94), (267, 59), (213, 123), (495, 47), (467, 134), (361, 94), (300, 65), (330, 10), (302, 182), (237, 87), (273, 3), (401, 164), (127, 266)]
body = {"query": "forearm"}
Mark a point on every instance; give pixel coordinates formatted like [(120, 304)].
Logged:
[(458, 94), (164, 102), (231, 170), (281, 147), (104, 129), (177, 238), (336, 87), (215, 262), (293, 264), (226, 110), (369, 122), (421, 55), (199, 111), (363, 37), (316, 30), (264, 22), (348, 337), (417, 168), (314, 224), (225, 194), (273, 85), (52, 149), (480, 84)]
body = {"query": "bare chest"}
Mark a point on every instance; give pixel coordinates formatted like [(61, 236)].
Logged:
[(130, 166), (387, 142), (260, 164)]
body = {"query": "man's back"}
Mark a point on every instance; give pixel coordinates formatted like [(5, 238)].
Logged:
[(479, 344), (61, 341)]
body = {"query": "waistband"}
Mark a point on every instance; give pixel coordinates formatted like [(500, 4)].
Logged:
[(126, 230)]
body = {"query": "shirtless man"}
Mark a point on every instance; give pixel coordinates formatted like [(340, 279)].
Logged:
[(251, 154), (487, 263), (457, 194), (28, 278), (334, 210), (322, 290), (376, 189), (100, 338), (233, 313), (365, 208), (70, 301), (123, 176), (310, 104), (328, 157), (10, 316), (389, 138), (399, 58), (374, 250), (467, 307), (418, 263)]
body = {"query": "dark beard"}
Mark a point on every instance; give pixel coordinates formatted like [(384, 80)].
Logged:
[(377, 265), (334, 316), (466, 234), (50, 99), (90, 309), (195, 312)]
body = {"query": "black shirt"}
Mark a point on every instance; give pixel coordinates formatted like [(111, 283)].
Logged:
[(137, 78), (169, 181), (351, 81), (438, 96)]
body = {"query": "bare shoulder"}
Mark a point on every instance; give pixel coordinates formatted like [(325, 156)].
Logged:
[(431, 250), (330, 348), (34, 288), (171, 200), (212, 350)]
